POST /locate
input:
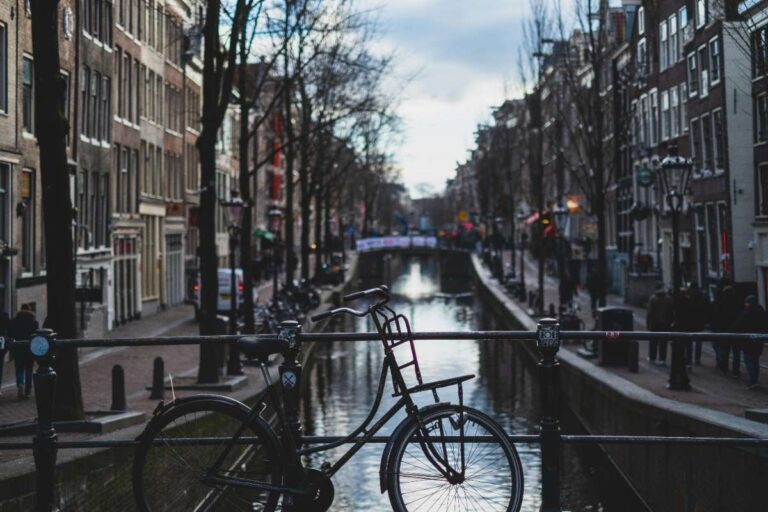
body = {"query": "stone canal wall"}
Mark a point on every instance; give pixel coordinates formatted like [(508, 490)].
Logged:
[(667, 478)]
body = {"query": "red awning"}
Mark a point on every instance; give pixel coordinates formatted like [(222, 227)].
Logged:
[(533, 218)]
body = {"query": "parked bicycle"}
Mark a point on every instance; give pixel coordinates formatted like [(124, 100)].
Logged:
[(214, 453)]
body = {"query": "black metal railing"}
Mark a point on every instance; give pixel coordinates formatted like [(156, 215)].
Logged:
[(548, 337)]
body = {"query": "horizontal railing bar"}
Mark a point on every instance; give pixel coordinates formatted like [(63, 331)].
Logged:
[(515, 438), (427, 335)]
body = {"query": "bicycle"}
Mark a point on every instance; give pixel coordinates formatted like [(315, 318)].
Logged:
[(219, 454)]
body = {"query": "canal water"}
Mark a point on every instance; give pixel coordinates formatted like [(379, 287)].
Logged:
[(341, 380)]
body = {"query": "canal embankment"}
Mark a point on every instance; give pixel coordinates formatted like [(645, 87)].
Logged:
[(667, 478)]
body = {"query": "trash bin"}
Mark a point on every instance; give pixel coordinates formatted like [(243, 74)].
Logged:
[(569, 322), (616, 352)]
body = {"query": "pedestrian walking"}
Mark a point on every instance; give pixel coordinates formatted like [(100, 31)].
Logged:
[(659, 317), (752, 319), (726, 310), (699, 317), (3, 343), (21, 328)]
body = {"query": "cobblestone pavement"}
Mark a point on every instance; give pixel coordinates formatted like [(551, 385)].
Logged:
[(710, 387)]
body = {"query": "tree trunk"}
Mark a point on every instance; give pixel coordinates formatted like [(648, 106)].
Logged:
[(319, 200), (290, 157), (246, 232), (51, 124), (208, 371)]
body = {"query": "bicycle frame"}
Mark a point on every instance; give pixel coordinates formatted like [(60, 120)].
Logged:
[(292, 450)]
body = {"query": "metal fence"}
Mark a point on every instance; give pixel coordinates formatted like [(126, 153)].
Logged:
[(548, 338)]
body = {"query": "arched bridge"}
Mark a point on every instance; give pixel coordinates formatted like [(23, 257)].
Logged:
[(381, 258)]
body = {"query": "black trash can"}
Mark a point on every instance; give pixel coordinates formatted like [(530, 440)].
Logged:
[(616, 352)]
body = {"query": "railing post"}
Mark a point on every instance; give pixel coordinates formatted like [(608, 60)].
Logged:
[(45, 442), (548, 343), (290, 376)]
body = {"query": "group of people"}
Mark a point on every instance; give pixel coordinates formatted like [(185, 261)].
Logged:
[(21, 327), (691, 311)]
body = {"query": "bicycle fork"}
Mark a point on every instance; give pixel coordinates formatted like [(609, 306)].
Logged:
[(439, 458)]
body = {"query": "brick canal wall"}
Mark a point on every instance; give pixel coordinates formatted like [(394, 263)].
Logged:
[(667, 478)]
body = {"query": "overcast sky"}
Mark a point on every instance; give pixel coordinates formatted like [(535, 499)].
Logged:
[(462, 56)]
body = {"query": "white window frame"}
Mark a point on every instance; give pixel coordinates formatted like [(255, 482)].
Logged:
[(703, 73), (641, 20), (683, 108), (693, 73), (712, 62), (653, 96), (674, 40), (701, 13), (665, 115), (674, 112), (758, 138), (692, 136), (663, 46), (715, 154), (4, 83)]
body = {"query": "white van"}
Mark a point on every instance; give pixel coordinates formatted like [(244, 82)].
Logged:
[(223, 302)]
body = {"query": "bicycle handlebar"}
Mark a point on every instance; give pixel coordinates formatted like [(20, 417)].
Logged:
[(337, 311), (382, 291)]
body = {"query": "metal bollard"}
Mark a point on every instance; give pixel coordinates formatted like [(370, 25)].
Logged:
[(45, 442), (158, 380), (118, 389), (290, 376), (548, 343)]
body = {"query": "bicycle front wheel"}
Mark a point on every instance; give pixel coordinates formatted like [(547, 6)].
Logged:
[(180, 448), (493, 475)]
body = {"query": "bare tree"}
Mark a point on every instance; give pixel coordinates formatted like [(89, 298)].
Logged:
[(52, 128)]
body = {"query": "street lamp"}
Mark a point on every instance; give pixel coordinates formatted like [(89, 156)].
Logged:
[(673, 173), (275, 214), (523, 239), (234, 208), (561, 217)]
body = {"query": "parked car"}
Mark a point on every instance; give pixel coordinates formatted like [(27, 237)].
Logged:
[(223, 301)]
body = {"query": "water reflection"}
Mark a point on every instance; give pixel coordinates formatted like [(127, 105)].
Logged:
[(342, 379)]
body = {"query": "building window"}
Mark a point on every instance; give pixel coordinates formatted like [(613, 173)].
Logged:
[(28, 220), (703, 72), (696, 144), (683, 111), (693, 76), (762, 183), (106, 109), (674, 46), (28, 95), (761, 118), (759, 51), (654, 96), (3, 67), (701, 13), (714, 61), (642, 56), (665, 115), (641, 20), (718, 131), (663, 46), (706, 142), (674, 109), (701, 242)]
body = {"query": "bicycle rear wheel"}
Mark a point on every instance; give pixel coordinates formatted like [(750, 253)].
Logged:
[(168, 469), (493, 477)]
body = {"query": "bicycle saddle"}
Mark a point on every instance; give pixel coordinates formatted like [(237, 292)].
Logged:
[(255, 348)]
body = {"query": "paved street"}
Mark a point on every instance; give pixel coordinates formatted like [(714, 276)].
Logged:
[(710, 388)]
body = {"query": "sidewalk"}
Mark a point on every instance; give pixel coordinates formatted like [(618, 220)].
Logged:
[(710, 388)]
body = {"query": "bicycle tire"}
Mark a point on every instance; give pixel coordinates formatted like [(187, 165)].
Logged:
[(161, 467), (488, 488)]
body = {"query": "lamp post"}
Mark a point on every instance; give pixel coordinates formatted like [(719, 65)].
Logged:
[(561, 217), (275, 214), (672, 174), (523, 239), (234, 207)]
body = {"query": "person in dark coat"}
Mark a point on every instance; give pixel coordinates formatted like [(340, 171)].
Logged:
[(659, 316), (753, 319), (699, 313), (726, 309), (22, 327), (593, 287)]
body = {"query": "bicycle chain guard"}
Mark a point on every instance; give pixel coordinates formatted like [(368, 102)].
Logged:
[(319, 497)]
